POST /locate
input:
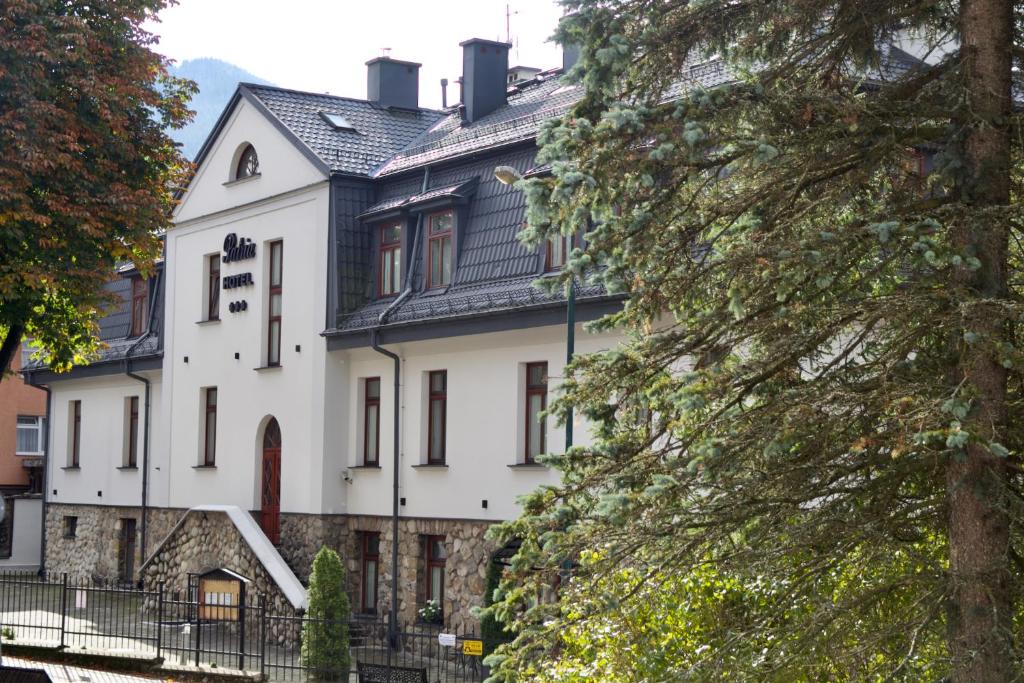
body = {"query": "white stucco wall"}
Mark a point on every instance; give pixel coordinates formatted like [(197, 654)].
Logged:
[(99, 480), (248, 396), (486, 418)]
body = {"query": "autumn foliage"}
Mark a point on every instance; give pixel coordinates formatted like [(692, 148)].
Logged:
[(87, 171)]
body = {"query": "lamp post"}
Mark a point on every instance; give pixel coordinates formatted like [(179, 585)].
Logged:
[(509, 175), (570, 348)]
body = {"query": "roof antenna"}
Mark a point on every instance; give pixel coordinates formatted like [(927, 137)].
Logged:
[(508, 22), (444, 93)]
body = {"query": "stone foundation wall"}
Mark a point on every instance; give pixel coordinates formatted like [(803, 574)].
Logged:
[(302, 536), (209, 540), (93, 551), (465, 569), (217, 544)]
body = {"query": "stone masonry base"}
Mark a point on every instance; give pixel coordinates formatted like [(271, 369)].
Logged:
[(93, 552)]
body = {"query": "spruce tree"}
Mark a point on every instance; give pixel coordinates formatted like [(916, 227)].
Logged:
[(811, 209), (325, 637)]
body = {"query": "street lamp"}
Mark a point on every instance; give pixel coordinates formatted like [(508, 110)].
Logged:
[(509, 175)]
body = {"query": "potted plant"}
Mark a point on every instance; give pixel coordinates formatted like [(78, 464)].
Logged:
[(430, 613)]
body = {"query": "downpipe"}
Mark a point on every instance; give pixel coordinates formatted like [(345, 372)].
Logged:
[(396, 460)]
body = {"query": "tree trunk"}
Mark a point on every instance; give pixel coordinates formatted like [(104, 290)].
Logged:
[(7, 349), (980, 609)]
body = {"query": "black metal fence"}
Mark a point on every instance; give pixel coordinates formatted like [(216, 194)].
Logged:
[(103, 617)]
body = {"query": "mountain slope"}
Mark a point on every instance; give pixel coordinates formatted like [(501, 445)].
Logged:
[(217, 81)]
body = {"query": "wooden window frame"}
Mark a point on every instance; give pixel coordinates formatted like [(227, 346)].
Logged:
[(432, 396), (213, 287), (209, 449), (431, 563), (365, 557), (386, 261), (369, 402), (568, 243), (275, 290), (448, 235), (140, 306), (76, 433), (132, 454), (531, 391)]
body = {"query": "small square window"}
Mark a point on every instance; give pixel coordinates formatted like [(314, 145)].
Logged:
[(70, 526)]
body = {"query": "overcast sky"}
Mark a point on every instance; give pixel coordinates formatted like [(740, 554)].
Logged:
[(322, 45)]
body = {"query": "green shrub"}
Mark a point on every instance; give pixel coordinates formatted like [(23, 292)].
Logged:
[(325, 634), (492, 632)]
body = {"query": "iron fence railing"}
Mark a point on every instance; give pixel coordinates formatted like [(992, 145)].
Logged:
[(107, 618)]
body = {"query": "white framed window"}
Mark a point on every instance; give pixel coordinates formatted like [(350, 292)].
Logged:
[(31, 437)]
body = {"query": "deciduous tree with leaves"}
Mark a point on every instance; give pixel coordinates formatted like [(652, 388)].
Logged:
[(811, 206), (87, 170)]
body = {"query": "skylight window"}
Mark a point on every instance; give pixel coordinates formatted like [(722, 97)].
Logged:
[(337, 121)]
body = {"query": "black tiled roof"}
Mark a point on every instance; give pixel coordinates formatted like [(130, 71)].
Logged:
[(498, 296), (529, 105), (115, 324), (457, 190), (379, 132)]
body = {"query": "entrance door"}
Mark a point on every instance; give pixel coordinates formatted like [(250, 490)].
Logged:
[(270, 503), (126, 551)]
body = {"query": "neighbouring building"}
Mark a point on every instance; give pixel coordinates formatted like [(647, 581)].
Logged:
[(244, 412), (22, 445)]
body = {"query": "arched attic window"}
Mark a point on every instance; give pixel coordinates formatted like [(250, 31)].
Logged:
[(248, 163)]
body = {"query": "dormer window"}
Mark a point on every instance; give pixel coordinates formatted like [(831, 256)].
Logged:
[(559, 249), (140, 306), (248, 163), (439, 249), (390, 276)]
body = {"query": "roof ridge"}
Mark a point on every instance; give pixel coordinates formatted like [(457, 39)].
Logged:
[(334, 97)]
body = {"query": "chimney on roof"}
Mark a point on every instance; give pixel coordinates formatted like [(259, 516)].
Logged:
[(484, 76), (393, 83)]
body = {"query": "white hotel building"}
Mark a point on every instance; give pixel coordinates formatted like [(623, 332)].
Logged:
[(244, 412)]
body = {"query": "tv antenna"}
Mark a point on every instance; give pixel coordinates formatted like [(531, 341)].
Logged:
[(508, 22)]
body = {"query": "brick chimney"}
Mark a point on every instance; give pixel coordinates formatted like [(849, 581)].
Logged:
[(484, 76), (393, 83)]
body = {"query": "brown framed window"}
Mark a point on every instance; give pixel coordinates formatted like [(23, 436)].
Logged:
[(75, 447), (370, 552), (140, 305), (559, 248), (439, 249), (390, 276), (437, 416), (213, 287), (210, 427), (274, 320), (371, 421), (132, 450), (437, 557), (536, 403)]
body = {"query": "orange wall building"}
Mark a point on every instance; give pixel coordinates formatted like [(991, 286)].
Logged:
[(22, 432)]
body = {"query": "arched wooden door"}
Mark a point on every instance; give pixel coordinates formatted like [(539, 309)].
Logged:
[(270, 498)]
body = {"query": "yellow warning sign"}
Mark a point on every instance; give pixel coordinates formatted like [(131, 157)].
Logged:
[(473, 647)]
